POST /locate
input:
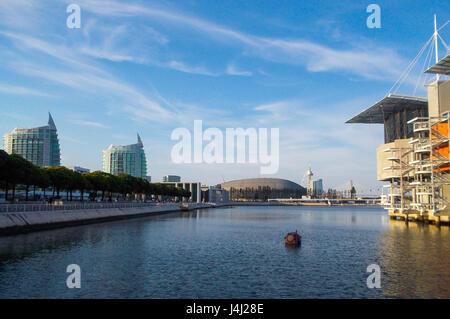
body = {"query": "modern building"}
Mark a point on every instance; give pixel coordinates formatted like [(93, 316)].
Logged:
[(194, 187), (415, 158), (212, 194), (79, 169), (171, 179), (149, 179), (38, 145), (317, 187), (261, 189), (128, 159), (313, 187)]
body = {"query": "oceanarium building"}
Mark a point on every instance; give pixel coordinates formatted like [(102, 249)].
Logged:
[(38, 145), (262, 189), (128, 159)]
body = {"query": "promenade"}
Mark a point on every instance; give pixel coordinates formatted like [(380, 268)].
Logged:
[(23, 218)]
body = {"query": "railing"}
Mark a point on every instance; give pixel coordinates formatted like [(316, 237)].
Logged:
[(11, 208), (420, 126)]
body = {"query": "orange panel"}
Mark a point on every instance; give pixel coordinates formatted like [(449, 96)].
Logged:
[(443, 149)]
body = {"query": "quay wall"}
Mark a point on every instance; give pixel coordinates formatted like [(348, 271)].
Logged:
[(23, 222)]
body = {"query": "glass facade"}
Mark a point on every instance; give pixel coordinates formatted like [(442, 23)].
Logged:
[(194, 187), (38, 145), (128, 159)]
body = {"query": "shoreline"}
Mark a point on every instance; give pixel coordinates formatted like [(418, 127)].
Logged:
[(15, 223)]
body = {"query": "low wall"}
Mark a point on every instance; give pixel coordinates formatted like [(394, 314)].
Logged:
[(23, 222)]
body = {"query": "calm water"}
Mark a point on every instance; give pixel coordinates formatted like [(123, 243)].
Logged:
[(232, 253)]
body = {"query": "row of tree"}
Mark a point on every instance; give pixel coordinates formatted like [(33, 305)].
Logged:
[(15, 171)]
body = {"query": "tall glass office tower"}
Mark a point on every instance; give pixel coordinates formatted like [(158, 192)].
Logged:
[(128, 159), (38, 145)]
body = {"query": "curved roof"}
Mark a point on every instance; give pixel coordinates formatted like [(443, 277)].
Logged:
[(274, 183)]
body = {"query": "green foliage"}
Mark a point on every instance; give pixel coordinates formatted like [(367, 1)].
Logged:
[(15, 170)]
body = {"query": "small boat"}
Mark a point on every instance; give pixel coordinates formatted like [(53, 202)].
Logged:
[(293, 239), (184, 207)]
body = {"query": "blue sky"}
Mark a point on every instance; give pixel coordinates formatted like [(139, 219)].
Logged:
[(304, 67)]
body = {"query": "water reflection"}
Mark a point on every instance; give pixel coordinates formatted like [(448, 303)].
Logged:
[(232, 253), (415, 260)]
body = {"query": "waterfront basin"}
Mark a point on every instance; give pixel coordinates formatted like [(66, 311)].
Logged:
[(234, 252)]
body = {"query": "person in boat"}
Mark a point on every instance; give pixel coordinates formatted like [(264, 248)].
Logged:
[(293, 239)]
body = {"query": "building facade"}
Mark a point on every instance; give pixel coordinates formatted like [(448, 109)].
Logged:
[(317, 187), (171, 179), (128, 159), (414, 159), (212, 194), (79, 169), (38, 145), (194, 187), (262, 189)]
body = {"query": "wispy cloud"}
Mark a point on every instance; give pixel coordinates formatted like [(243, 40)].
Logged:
[(72, 140), (82, 75), (89, 123), (369, 61), (19, 90), (180, 66), (232, 70)]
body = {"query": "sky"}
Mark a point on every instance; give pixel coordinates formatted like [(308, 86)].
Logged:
[(149, 67)]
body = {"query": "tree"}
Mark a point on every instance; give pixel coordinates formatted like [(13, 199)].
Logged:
[(353, 192), (5, 173), (78, 182), (16, 166), (60, 178), (30, 175), (99, 182), (43, 180)]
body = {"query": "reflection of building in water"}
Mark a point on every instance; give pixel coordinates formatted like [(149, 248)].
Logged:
[(414, 260), (415, 157)]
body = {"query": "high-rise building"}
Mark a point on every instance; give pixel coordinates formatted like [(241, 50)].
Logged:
[(38, 145), (317, 187), (128, 159)]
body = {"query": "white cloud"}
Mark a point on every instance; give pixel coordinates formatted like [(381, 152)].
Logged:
[(19, 90), (369, 61), (232, 70), (89, 123)]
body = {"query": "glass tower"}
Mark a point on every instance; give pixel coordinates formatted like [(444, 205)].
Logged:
[(38, 145), (128, 159)]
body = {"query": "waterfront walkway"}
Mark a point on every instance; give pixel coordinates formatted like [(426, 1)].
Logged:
[(22, 218), (26, 207)]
